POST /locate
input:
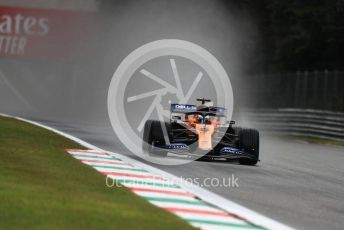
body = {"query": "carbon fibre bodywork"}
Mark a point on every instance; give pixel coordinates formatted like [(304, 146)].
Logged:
[(187, 125)]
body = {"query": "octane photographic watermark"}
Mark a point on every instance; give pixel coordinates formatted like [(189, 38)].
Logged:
[(208, 182), (153, 77)]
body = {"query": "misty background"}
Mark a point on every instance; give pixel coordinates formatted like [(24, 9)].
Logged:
[(278, 54)]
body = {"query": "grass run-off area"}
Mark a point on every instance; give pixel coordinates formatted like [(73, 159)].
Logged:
[(43, 187)]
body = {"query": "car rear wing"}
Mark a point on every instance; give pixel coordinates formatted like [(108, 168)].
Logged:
[(182, 108)]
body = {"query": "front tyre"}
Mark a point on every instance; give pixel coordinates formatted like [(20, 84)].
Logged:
[(154, 136)]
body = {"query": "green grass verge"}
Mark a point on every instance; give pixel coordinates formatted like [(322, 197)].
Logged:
[(43, 187), (315, 140)]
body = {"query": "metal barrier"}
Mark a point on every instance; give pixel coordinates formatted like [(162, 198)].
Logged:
[(321, 90), (305, 122)]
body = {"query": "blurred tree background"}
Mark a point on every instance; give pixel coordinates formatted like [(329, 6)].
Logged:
[(279, 53), (298, 35), (292, 35)]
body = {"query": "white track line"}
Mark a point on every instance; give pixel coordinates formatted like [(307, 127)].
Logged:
[(202, 193)]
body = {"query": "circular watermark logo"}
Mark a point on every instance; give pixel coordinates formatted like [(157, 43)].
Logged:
[(152, 101)]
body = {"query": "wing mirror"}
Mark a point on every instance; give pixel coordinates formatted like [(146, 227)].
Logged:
[(231, 122)]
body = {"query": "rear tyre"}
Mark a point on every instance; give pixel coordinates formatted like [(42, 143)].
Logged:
[(249, 141), (153, 136)]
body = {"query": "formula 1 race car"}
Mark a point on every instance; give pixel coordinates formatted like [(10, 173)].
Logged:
[(201, 131)]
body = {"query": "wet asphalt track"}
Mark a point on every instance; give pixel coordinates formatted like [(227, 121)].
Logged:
[(296, 183), (299, 184)]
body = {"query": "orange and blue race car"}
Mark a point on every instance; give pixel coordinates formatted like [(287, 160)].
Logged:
[(201, 131)]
